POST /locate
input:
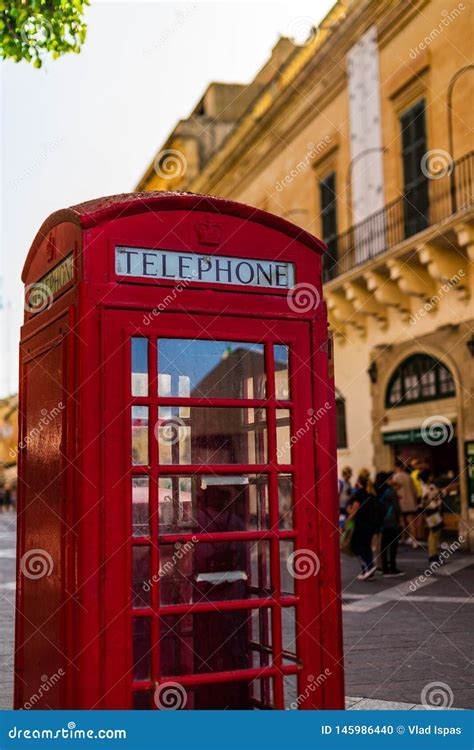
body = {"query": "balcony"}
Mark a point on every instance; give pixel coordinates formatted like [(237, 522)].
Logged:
[(432, 201)]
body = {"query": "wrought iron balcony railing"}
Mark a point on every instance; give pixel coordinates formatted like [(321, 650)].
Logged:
[(431, 201)]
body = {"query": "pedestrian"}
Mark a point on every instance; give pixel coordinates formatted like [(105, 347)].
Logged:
[(407, 500), (391, 528), (380, 485), (432, 498), (345, 491), (416, 468), (361, 511)]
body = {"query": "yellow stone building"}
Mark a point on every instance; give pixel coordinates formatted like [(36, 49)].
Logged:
[(8, 443), (363, 136)]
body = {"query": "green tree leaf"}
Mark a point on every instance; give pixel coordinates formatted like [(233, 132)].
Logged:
[(31, 30)]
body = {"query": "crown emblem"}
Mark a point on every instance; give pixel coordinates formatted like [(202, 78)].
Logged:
[(208, 233)]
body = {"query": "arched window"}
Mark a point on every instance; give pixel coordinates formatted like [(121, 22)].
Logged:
[(419, 378), (341, 432)]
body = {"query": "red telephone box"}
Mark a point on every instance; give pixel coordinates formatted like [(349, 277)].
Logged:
[(178, 519)]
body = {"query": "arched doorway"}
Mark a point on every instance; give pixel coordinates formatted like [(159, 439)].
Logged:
[(420, 397)]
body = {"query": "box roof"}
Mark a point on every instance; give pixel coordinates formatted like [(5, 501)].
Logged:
[(94, 212)]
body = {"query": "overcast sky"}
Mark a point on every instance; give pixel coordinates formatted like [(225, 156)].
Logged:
[(88, 125)]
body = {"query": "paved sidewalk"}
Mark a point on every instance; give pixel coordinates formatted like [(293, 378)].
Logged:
[(403, 647), (411, 646), (7, 605)]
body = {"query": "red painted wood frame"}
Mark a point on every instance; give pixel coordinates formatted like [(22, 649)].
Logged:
[(102, 308), (120, 327)]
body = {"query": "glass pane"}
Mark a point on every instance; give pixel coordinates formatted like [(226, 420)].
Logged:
[(207, 642), (428, 384), (211, 435), (213, 502), (282, 383), (290, 692), (396, 392), (139, 367), (288, 621), (141, 648), (261, 637), (286, 568), (142, 700), (210, 369), (141, 575), (140, 506), (214, 571), (261, 693), (139, 435), (285, 501), (283, 436)]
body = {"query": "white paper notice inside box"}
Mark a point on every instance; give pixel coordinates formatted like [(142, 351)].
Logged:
[(225, 576), (223, 479)]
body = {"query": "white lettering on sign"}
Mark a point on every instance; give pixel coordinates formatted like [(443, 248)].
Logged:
[(146, 263)]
